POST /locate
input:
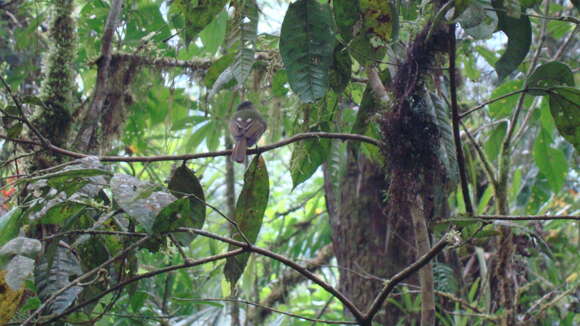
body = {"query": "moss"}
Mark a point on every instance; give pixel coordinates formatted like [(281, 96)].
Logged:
[(58, 84)]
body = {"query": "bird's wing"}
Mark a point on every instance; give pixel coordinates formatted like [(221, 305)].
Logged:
[(254, 130)]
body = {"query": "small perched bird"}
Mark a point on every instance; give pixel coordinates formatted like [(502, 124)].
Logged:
[(246, 127)]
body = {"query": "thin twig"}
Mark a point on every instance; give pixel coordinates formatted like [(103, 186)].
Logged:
[(288, 262), (565, 43), (402, 275), (489, 170), (527, 218), (315, 320), (45, 142), (81, 278), (142, 276), (493, 100)]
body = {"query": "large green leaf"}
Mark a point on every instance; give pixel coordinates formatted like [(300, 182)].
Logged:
[(213, 35), (346, 14), (478, 21), (51, 276), (565, 109), (503, 108), (381, 19), (217, 68), (519, 33), (10, 225), (197, 14), (249, 214), (245, 33), (307, 156), (341, 69), (549, 75), (140, 200), (306, 46), (551, 162), (189, 211)]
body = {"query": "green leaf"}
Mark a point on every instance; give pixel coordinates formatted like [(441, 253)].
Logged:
[(381, 19), (306, 46), (565, 109), (493, 143), (364, 51), (459, 7), (487, 54), (197, 14), (245, 34), (61, 212), (51, 275), (503, 108), (519, 33), (216, 69), (139, 199), (551, 162), (548, 75), (307, 156), (213, 35), (279, 83), (478, 21), (189, 211), (197, 137), (249, 214), (10, 225), (346, 15), (341, 69)]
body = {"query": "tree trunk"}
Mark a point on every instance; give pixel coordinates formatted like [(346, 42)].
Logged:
[(368, 245)]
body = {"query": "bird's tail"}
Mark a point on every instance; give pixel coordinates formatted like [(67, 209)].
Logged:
[(239, 152)]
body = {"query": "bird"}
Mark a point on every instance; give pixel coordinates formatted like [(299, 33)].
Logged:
[(246, 127)]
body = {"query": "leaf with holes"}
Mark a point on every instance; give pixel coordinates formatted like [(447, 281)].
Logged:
[(307, 156), (306, 46), (549, 75), (565, 109), (249, 214)]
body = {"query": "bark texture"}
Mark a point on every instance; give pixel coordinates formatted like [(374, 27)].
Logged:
[(369, 244)]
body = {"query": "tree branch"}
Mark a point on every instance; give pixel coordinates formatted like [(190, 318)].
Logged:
[(402, 275), (527, 218), (281, 288), (86, 132), (142, 60), (288, 262), (142, 276), (259, 150), (330, 322), (81, 278)]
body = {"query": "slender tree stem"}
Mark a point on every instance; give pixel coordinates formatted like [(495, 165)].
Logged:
[(456, 119)]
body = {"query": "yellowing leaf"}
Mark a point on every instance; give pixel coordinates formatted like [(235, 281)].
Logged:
[(9, 300)]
